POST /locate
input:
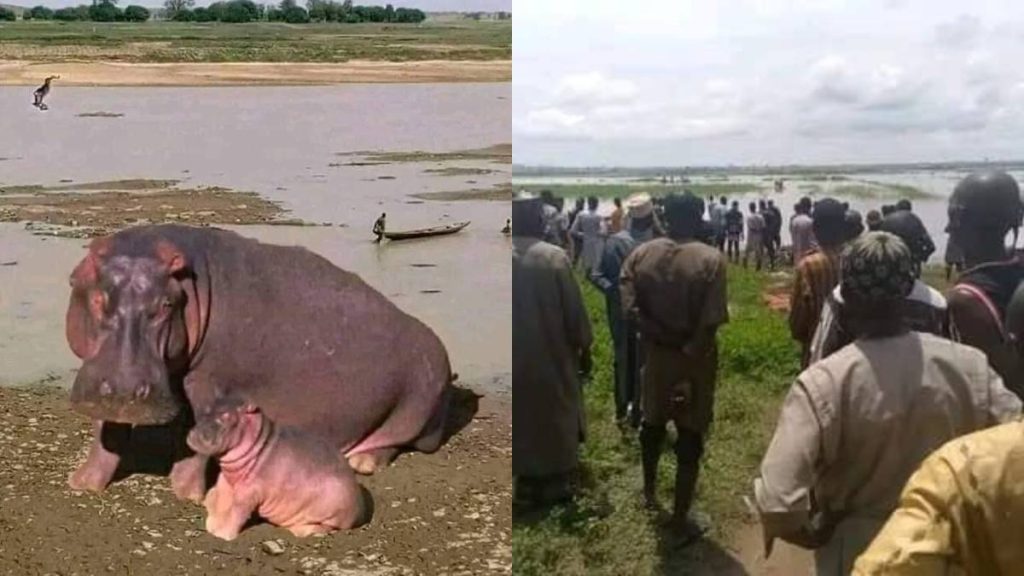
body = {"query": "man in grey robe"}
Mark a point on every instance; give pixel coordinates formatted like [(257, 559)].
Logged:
[(551, 341)]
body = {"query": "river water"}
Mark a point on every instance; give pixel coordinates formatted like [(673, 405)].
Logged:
[(278, 142)]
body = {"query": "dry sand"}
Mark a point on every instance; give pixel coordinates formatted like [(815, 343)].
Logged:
[(25, 73)]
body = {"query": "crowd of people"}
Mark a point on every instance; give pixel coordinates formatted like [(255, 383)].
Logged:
[(898, 446)]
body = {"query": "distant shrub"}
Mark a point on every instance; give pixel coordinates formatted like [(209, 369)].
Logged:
[(105, 11), (68, 14), (295, 15), (135, 13), (39, 13), (7, 14)]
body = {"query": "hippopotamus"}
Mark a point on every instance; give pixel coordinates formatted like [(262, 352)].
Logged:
[(167, 318), (290, 478)]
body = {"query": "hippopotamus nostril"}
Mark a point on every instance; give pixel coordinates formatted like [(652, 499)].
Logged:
[(105, 389)]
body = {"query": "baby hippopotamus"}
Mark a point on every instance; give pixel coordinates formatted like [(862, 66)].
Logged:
[(284, 475)]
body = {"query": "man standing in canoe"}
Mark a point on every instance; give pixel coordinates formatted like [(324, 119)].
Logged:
[(378, 227)]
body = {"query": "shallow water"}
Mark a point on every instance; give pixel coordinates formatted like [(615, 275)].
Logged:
[(278, 142)]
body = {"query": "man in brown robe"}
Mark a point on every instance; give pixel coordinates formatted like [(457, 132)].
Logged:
[(675, 290), (551, 341)]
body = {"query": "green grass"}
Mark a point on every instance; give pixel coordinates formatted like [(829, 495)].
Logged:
[(624, 190), (255, 42), (606, 532)]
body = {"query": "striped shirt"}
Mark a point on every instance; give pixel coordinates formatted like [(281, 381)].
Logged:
[(816, 276)]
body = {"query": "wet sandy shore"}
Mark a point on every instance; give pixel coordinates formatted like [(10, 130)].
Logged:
[(24, 73)]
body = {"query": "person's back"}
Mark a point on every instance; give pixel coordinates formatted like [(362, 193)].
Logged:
[(960, 513), (801, 229), (672, 281), (893, 401)]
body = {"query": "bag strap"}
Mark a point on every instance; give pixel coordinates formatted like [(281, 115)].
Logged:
[(980, 295)]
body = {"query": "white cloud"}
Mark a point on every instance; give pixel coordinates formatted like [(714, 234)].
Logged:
[(755, 81)]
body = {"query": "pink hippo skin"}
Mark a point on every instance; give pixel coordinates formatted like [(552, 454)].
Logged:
[(287, 477)]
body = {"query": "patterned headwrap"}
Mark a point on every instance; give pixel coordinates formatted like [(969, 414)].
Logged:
[(877, 267)]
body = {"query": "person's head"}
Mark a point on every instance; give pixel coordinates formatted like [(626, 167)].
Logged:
[(383, 214), (854, 224), (529, 216), (753, 207), (735, 205), (887, 209), (547, 197), (640, 209), (559, 203), (579, 204), (761, 205), (723, 201), (846, 206), (684, 215), (909, 228), (805, 204), (874, 220), (771, 204), (592, 203), (829, 226), (877, 274), (983, 208), (617, 201), (904, 204)]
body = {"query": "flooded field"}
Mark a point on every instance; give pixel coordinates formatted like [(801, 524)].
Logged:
[(292, 146), (927, 190)]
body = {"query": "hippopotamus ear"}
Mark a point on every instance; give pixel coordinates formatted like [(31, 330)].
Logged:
[(171, 256), (85, 310)]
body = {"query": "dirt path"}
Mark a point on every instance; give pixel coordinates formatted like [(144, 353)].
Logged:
[(445, 513), (24, 73), (786, 560)]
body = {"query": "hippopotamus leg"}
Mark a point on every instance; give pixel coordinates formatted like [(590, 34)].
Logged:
[(110, 440), (378, 449), (188, 477), (226, 514)]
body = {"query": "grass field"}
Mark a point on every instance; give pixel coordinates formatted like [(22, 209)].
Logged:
[(51, 41), (606, 532)]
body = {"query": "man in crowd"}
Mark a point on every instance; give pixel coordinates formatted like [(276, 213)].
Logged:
[(675, 289), (733, 232), (961, 512), (817, 273), (606, 278), (772, 231), (616, 217), (801, 230), (756, 236), (924, 310), (717, 220), (586, 229), (556, 223), (551, 340), (855, 426), (984, 207)]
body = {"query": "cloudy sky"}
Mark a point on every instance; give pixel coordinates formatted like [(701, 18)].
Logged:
[(681, 82)]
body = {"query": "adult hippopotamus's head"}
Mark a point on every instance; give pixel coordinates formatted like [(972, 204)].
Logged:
[(128, 320)]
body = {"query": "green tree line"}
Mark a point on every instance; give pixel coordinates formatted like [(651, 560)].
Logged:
[(231, 11)]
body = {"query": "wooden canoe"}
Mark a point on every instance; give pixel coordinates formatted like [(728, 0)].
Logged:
[(426, 232)]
